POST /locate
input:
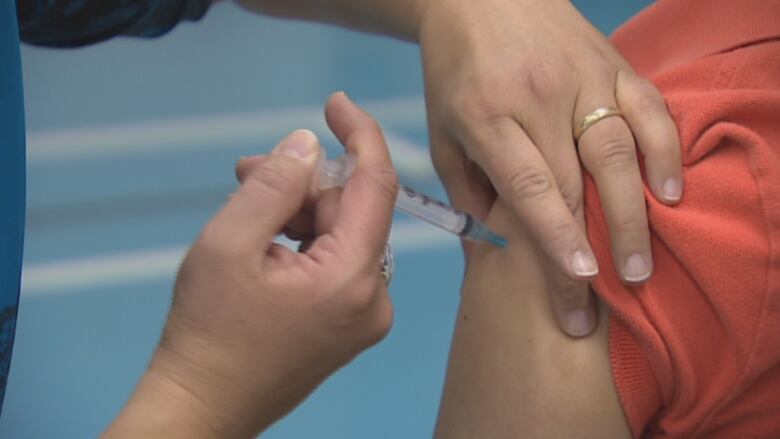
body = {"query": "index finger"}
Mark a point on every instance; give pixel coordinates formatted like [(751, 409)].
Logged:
[(522, 178), (270, 195)]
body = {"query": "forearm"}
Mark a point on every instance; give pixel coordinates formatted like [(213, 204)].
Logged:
[(196, 391), (512, 373), (163, 408), (395, 18)]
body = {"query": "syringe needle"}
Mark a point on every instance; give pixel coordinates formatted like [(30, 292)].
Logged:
[(337, 172), (445, 217)]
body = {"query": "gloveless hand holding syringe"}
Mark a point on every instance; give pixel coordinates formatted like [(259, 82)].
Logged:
[(332, 173)]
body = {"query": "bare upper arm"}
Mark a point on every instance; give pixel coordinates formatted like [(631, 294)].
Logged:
[(512, 372)]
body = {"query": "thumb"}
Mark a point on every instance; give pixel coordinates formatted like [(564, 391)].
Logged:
[(271, 194)]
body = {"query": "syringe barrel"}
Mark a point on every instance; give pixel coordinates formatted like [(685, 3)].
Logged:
[(336, 173), (431, 210)]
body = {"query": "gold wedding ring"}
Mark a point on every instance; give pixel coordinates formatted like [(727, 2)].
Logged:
[(593, 118)]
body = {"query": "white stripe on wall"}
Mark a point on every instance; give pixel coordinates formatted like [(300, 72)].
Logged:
[(75, 275), (206, 132), (201, 132)]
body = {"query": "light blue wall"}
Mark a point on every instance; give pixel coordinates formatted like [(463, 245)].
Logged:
[(132, 145)]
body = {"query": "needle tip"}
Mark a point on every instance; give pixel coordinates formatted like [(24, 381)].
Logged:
[(497, 240)]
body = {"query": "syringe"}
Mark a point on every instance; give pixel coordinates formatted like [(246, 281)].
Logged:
[(334, 173)]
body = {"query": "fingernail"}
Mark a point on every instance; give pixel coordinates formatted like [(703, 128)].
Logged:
[(300, 144), (578, 323), (584, 264), (636, 269), (673, 189)]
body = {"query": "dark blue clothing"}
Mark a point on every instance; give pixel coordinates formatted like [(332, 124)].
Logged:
[(69, 23), (11, 183), (59, 23)]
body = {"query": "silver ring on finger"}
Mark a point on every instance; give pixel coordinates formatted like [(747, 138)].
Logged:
[(593, 118), (387, 264)]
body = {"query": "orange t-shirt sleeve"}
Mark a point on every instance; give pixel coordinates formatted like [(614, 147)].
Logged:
[(695, 351)]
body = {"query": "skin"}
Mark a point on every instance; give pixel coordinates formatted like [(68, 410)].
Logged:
[(255, 327), (506, 82), (510, 373)]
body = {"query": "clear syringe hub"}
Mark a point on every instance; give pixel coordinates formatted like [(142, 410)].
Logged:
[(334, 173)]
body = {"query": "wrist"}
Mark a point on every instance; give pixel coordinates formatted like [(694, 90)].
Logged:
[(164, 407), (399, 18), (231, 394)]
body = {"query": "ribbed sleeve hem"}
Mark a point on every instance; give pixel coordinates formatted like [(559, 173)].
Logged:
[(80, 22), (635, 381)]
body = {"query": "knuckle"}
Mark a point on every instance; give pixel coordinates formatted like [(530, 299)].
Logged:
[(616, 153), (327, 250), (648, 101), (556, 235), (571, 191), (470, 105), (573, 200), (544, 82), (361, 293), (646, 88), (477, 104), (272, 178), (667, 153), (529, 183), (385, 182), (562, 232), (631, 225)]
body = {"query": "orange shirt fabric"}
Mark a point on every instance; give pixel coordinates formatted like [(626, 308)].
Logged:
[(695, 351)]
